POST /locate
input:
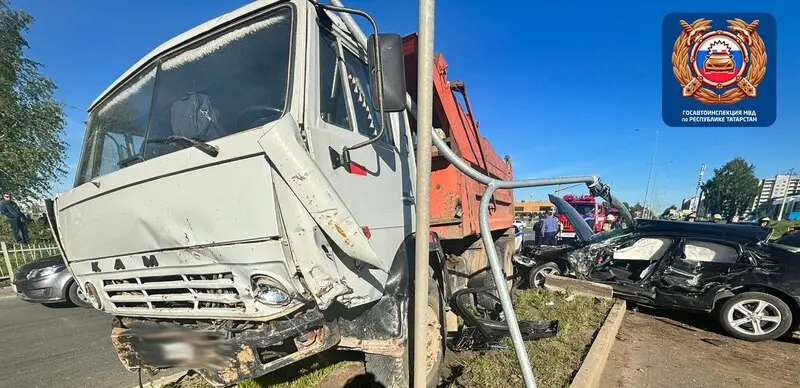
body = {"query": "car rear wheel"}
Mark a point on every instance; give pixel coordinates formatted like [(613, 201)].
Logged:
[(540, 272), (755, 316), (77, 297)]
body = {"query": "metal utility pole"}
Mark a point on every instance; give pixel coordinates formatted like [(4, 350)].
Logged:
[(697, 195), (423, 206), (649, 174), (785, 194)]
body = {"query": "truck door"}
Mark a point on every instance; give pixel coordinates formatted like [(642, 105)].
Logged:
[(377, 189), (696, 271)]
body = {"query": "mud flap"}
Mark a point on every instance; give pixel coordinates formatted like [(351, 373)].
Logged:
[(486, 331)]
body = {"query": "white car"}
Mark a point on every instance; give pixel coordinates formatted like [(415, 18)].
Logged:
[(519, 224)]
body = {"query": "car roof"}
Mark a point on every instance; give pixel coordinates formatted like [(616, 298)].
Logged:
[(733, 232)]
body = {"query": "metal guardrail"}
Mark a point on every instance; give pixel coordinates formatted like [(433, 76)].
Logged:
[(15, 255)]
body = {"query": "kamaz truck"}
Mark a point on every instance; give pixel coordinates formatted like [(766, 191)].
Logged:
[(245, 199)]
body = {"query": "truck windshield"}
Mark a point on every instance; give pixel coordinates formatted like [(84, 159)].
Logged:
[(230, 82), (584, 209)]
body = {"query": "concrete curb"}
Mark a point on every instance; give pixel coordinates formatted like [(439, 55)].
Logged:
[(594, 364), (163, 381)]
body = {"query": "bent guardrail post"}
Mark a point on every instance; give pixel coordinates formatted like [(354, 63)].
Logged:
[(491, 252)]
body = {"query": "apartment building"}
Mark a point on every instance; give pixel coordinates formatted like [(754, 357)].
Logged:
[(776, 187)]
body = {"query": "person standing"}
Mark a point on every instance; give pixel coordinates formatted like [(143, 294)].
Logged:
[(10, 209), (537, 231), (549, 229)]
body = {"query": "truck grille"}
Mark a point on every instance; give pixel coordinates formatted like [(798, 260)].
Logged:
[(215, 291)]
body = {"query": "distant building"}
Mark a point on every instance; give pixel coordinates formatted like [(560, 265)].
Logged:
[(690, 203), (777, 187), (525, 210), (791, 210)]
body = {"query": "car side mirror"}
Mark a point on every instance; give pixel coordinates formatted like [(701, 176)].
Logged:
[(387, 60)]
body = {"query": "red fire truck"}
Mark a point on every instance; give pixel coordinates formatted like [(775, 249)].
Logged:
[(588, 207)]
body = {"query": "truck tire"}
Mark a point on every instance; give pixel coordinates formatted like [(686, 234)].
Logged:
[(392, 372), (755, 316)]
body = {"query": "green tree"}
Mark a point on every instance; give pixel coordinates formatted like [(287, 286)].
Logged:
[(32, 151), (666, 212), (732, 189)]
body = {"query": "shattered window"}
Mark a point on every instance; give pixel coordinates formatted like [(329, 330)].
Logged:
[(367, 118), (333, 107), (703, 251)]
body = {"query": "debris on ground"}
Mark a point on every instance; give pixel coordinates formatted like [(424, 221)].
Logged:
[(555, 360)]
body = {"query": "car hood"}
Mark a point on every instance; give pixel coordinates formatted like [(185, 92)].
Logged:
[(42, 263), (582, 230)]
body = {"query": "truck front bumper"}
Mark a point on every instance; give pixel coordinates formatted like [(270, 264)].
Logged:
[(221, 358)]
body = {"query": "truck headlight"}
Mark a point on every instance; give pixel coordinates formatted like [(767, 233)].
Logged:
[(269, 291), (46, 271)]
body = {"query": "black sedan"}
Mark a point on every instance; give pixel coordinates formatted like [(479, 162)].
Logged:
[(733, 271), (48, 281)]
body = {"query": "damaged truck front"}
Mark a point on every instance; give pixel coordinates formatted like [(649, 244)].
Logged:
[(245, 199)]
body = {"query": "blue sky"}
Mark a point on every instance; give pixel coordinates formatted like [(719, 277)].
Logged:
[(560, 88)]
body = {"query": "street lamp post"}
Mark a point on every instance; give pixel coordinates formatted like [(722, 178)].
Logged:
[(653, 204), (650, 173), (785, 194)]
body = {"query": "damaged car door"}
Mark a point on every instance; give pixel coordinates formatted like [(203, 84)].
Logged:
[(698, 270)]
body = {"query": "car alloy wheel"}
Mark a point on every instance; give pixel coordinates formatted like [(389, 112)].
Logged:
[(541, 272), (82, 296), (754, 317)]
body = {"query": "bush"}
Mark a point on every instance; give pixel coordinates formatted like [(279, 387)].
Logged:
[(38, 232), (779, 228)]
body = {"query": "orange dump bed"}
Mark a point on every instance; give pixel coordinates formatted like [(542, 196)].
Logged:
[(455, 198)]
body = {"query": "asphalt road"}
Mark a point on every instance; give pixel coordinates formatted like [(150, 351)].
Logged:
[(57, 347)]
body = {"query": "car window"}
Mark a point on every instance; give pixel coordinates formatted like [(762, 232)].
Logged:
[(645, 249), (704, 251)]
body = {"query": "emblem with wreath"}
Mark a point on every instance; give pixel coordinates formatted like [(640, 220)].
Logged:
[(754, 57)]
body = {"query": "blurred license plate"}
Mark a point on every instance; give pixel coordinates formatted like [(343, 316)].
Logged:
[(567, 234), (14, 287), (178, 351)]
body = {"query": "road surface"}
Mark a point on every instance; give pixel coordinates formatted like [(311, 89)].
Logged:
[(57, 347), (665, 349)]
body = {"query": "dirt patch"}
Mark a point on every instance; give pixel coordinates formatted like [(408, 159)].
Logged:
[(659, 348), (555, 360)]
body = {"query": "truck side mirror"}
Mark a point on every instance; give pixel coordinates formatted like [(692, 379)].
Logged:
[(387, 60)]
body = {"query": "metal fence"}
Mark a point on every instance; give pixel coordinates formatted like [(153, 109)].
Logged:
[(15, 255)]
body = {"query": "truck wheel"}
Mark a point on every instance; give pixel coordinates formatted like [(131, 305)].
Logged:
[(755, 316), (77, 297), (540, 272), (392, 372)]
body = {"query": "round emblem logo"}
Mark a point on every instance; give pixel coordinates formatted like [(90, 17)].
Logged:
[(719, 59)]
